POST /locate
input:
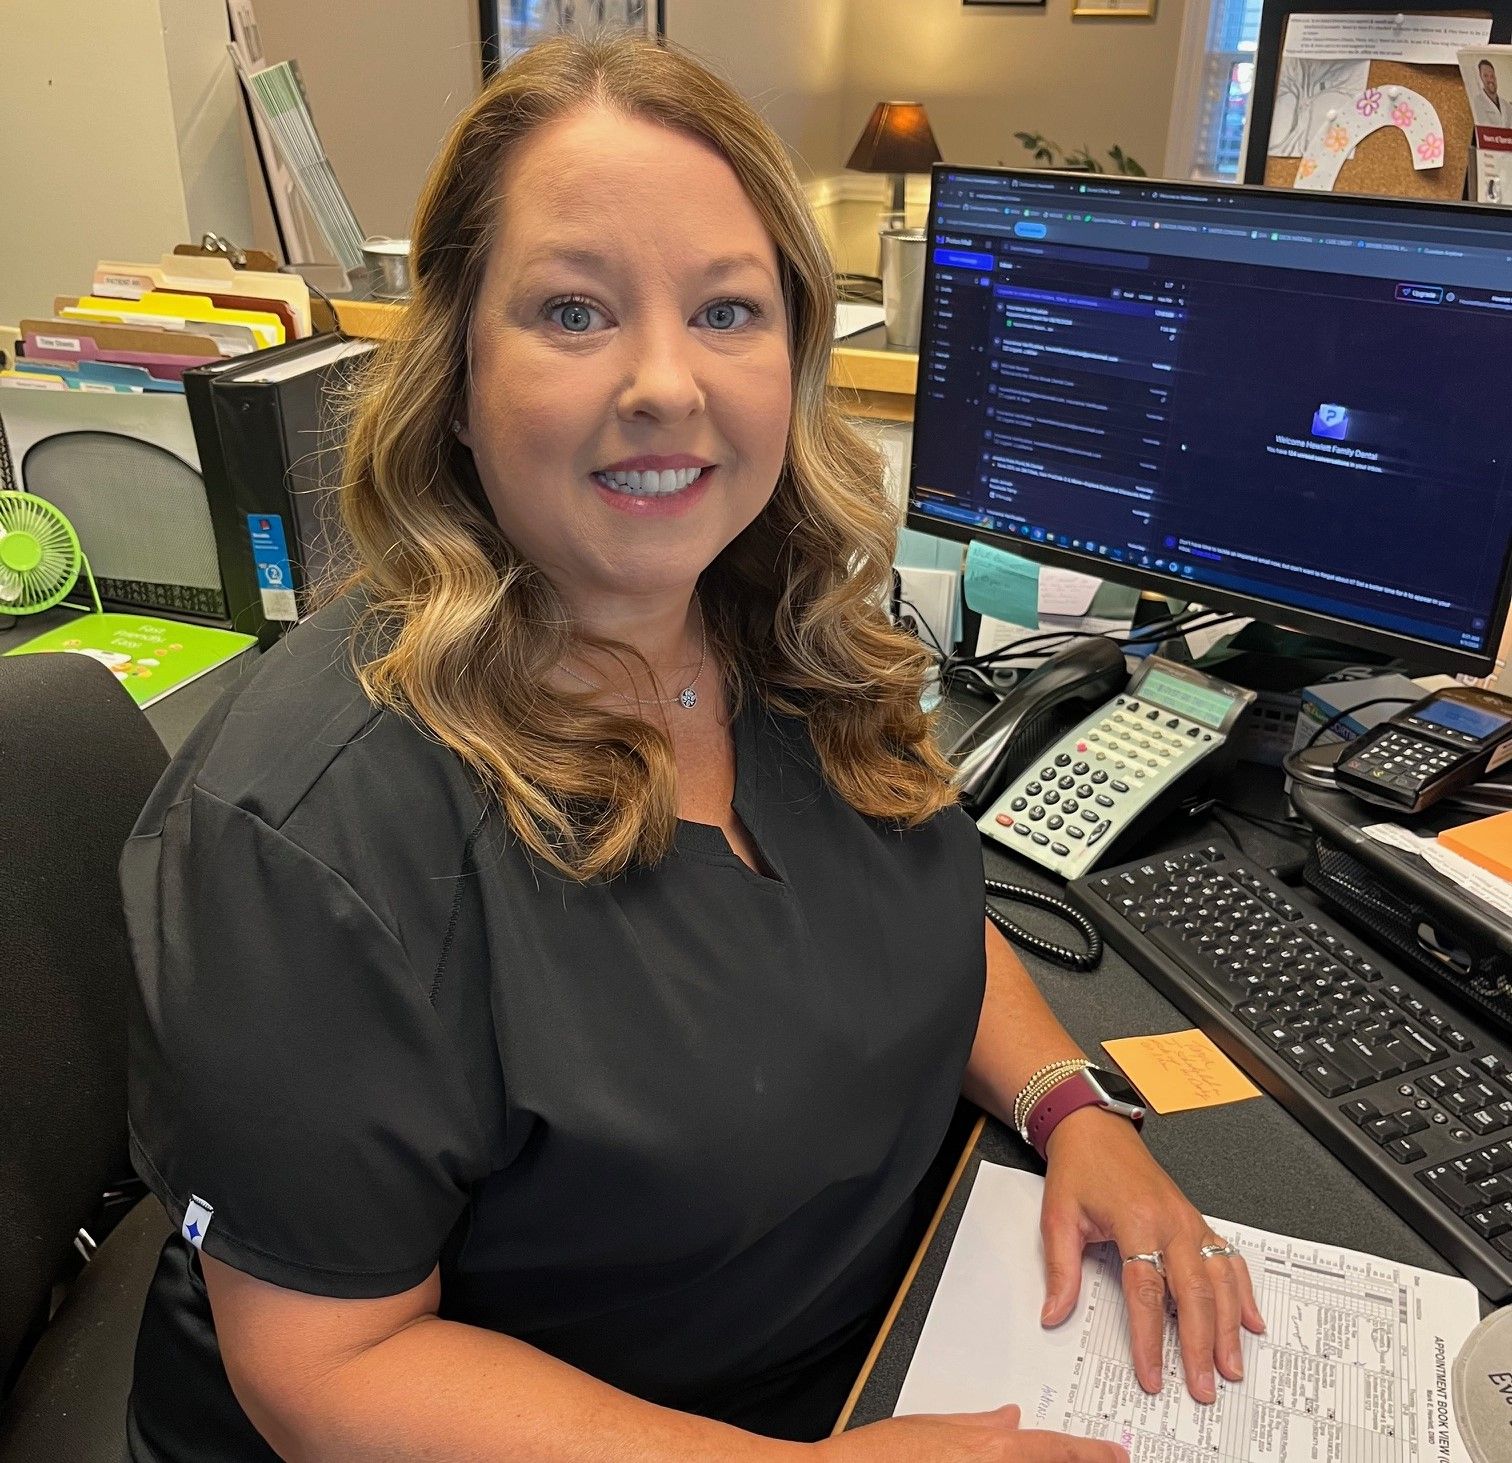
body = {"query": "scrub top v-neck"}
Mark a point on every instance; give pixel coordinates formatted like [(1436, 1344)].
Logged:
[(667, 1127)]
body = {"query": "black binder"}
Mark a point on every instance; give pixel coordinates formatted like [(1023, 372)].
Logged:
[(267, 427)]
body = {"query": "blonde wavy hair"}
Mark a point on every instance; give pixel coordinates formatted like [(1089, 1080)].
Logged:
[(469, 630)]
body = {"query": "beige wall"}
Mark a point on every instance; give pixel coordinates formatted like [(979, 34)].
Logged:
[(89, 166), (789, 57), (207, 110), (986, 72), (94, 167), (385, 79)]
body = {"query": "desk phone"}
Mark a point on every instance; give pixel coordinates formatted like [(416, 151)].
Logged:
[(1428, 750), (1130, 758)]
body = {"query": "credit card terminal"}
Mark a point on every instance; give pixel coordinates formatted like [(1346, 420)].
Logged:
[(1426, 751), (1129, 760)]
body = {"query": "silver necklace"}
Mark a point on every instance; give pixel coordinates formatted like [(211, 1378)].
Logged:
[(687, 697)]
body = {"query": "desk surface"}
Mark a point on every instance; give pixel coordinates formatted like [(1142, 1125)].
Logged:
[(1248, 1161)]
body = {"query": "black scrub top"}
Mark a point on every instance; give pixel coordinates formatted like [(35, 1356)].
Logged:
[(667, 1127)]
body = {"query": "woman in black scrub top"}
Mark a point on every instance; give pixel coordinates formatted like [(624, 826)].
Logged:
[(559, 962)]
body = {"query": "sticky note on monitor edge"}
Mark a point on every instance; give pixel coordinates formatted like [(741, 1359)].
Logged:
[(1002, 584)]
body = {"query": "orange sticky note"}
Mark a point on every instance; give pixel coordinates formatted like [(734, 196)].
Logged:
[(1180, 1070)]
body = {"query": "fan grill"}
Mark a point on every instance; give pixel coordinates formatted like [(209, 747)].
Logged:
[(39, 554)]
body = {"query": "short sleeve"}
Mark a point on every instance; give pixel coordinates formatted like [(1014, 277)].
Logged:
[(292, 1091)]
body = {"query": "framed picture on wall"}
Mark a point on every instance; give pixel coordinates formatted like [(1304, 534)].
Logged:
[(511, 26), (1138, 9), (1039, 3)]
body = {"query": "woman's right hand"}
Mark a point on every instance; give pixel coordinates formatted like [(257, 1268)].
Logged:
[(962, 1437)]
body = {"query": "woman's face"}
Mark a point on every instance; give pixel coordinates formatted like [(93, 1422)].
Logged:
[(630, 383)]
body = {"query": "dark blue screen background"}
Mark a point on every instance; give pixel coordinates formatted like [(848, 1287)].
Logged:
[(1328, 431)]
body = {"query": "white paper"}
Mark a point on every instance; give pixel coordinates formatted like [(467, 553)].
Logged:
[(1353, 1367), (933, 596), (1066, 591), (1423, 40), (994, 634), (1306, 92), (1469, 876), (1203, 639), (851, 319)]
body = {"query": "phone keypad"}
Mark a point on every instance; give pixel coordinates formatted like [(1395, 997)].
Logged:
[(1401, 762), (1062, 808)]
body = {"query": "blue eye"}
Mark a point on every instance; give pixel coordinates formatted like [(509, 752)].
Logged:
[(722, 314), (573, 315)]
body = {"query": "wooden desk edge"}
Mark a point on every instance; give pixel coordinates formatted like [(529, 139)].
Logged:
[(885, 1330), (883, 381)]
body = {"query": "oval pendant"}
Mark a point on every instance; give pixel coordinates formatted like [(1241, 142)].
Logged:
[(689, 698)]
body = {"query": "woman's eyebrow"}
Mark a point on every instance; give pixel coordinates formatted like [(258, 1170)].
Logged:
[(595, 261)]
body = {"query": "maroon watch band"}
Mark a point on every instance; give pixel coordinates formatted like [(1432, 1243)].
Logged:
[(1065, 1098)]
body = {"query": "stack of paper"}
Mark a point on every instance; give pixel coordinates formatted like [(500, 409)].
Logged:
[(1352, 1367), (279, 102), (141, 325)]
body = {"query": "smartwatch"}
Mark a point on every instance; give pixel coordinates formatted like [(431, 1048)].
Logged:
[(1090, 1087)]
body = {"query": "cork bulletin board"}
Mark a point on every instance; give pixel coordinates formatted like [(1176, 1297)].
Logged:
[(1382, 162)]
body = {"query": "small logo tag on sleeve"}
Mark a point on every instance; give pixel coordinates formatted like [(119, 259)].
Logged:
[(197, 1219)]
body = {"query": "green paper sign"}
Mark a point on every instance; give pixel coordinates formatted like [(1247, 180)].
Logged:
[(148, 657)]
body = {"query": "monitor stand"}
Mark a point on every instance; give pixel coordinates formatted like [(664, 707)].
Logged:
[(1263, 657)]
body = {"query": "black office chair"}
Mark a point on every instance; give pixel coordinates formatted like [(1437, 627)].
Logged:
[(77, 761)]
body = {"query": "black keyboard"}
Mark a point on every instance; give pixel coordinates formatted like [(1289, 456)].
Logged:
[(1414, 1096)]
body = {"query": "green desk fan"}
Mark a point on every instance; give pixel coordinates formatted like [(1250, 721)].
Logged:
[(40, 557)]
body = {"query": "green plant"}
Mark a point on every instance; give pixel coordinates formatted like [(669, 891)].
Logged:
[(1052, 155)]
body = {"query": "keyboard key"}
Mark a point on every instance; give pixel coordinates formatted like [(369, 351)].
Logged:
[(1359, 1111), (1494, 1188), (1382, 1129), (1458, 1040), (1326, 1077), (1483, 1121), (1451, 1189), (1488, 1223), (1404, 1150), (1429, 1051)]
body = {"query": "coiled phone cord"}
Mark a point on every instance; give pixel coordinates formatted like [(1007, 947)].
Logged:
[(1046, 949)]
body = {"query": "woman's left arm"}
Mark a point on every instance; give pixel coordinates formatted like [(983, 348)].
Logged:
[(1101, 1183)]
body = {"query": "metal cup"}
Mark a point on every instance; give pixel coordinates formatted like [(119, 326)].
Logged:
[(903, 285), (388, 266)]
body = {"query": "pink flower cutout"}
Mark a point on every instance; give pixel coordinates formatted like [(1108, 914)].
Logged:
[(1431, 148), (1369, 103), (1307, 167), (1403, 115), (1336, 139)]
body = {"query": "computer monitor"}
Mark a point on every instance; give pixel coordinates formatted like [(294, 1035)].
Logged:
[(1287, 403)]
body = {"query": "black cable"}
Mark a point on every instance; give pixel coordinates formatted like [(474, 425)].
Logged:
[(1086, 959), (1339, 716), (1187, 620), (920, 623)]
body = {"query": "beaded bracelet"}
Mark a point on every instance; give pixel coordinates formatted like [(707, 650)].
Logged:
[(1040, 1082)]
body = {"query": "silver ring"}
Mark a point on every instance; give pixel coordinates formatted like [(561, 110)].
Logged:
[(1150, 1257), (1212, 1252)]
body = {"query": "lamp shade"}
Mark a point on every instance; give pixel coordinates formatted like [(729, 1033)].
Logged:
[(896, 139)]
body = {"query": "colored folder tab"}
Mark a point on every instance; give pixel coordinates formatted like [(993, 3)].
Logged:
[(167, 354), (175, 312), (213, 276), (32, 381), (101, 376)]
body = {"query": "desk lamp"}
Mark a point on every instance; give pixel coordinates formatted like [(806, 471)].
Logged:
[(896, 140)]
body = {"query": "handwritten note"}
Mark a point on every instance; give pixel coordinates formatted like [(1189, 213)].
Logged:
[(1002, 584), (1180, 1070)]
